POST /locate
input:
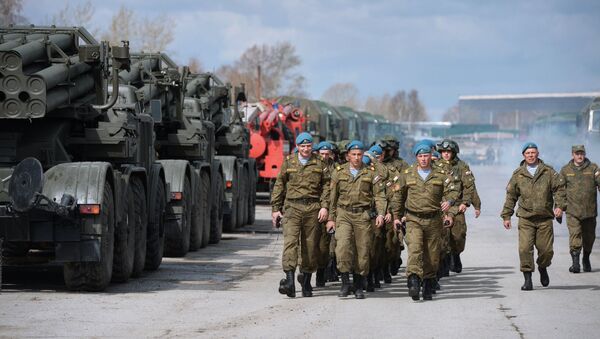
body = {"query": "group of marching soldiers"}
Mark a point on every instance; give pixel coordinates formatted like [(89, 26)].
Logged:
[(348, 212)]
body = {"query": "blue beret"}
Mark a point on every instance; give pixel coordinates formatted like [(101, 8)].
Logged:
[(304, 138), (324, 146), (436, 154), (529, 144), (355, 144), (421, 147), (366, 160), (376, 150)]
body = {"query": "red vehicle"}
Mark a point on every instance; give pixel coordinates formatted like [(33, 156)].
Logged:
[(273, 128)]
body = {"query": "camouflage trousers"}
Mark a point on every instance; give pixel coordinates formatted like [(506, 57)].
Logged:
[(353, 235), (423, 239), (326, 247), (300, 231), (394, 243), (538, 233), (378, 249), (582, 233), (458, 234)]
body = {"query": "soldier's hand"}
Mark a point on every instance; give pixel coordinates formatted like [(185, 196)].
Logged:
[(477, 213), (379, 221), (462, 208), (330, 225), (403, 220), (388, 218), (445, 206), (558, 212), (397, 225), (323, 215), (275, 216), (507, 224), (448, 221)]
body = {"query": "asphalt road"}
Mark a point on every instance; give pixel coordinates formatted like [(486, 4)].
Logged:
[(230, 290)]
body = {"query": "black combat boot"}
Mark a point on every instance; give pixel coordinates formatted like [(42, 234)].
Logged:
[(447, 264), (300, 277), (358, 286), (587, 267), (345, 289), (435, 285), (287, 285), (387, 277), (456, 263), (527, 285), (306, 287), (427, 289), (394, 267), (544, 278), (371, 282), (414, 286), (321, 277), (575, 268)]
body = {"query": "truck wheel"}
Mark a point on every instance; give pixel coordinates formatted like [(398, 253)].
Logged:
[(125, 238), (156, 229), (216, 215), (230, 220), (95, 276), (141, 221), (197, 231), (204, 198), (178, 244)]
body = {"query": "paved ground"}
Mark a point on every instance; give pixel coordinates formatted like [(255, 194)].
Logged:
[(230, 290)]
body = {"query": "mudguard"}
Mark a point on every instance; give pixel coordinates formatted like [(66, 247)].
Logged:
[(83, 180), (175, 172), (228, 164)]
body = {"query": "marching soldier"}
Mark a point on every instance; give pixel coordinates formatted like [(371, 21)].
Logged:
[(583, 179), (301, 197), (354, 187), (540, 191), (424, 194)]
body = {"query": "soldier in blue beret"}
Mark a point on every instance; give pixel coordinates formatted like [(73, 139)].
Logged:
[(304, 138)]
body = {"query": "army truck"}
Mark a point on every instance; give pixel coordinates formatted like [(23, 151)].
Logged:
[(219, 103), (79, 182)]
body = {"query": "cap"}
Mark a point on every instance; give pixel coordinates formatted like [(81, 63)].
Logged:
[(304, 138), (421, 147), (366, 160), (527, 145), (355, 144), (324, 146), (376, 150), (578, 148)]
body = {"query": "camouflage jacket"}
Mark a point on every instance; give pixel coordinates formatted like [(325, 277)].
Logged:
[(356, 192), (582, 183), (537, 195), (461, 171), (297, 181), (413, 194)]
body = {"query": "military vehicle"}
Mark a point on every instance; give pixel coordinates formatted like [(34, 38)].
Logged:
[(79, 182)]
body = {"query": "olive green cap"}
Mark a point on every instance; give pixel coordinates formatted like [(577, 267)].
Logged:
[(578, 148)]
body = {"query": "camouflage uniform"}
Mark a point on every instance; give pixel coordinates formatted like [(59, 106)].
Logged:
[(394, 241), (326, 248), (537, 196)]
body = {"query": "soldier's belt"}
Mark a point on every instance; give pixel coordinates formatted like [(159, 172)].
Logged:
[(304, 201), (354, 209), (425, 215)]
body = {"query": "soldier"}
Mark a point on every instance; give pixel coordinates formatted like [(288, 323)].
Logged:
[(582, 179), (301, 194), (460, 170), (423, 194), (540, 191), (354, 187)]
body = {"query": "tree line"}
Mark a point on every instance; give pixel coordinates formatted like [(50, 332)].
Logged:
[(268, 70)]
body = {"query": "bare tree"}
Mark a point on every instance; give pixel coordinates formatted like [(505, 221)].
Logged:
[(78, 15), (416, 110), (342, 94), (10, 13), (452, 114), (380, 105), (195, 65), (156, 34)]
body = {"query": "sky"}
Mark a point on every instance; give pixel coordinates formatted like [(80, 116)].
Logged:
[(443, 49)]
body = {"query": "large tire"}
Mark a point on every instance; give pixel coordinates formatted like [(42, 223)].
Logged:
[(15, 249), (243, 203), (216, 215), (95, 276), (141, 221), (179, 244), (205, 185), (125, 239), (197, 230), (230, 220), (252, 198), (156, 228)]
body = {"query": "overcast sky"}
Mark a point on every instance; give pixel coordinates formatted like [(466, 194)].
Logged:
[(441, 48)]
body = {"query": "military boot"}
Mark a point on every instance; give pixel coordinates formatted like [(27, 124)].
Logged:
[(435, 285), (587, 267), (358, 287), (456, 263), (447, 264), (320, 277), (387, 277), (394, 267), (300, 277), (428, 289), (575, 268), (527, 285), (288, 287), (345, 289), (306, 287), (544, 278), (371, 282), (414, 286)]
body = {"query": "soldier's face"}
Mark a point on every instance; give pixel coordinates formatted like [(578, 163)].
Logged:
[(424, 160), (578, 157), (325, 154), (447, 155), (531, 156), (355, 157), (305, 150)]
